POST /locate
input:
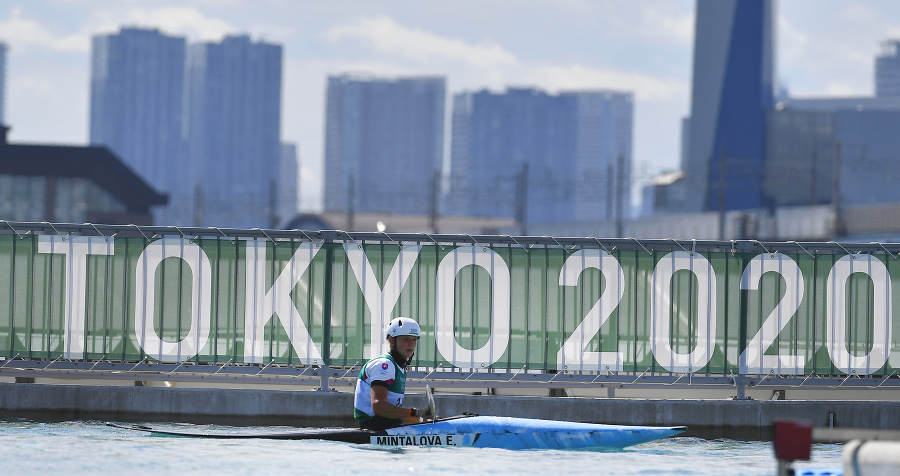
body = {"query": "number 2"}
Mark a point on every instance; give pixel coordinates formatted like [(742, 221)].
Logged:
[(753, 359), (572, 355)]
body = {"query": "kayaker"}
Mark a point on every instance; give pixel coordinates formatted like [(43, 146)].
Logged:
[(382, 381)]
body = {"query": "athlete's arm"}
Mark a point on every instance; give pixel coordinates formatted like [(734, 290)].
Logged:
[(384, 408)]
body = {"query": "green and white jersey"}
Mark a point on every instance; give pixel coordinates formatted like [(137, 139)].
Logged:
[(384, 369)]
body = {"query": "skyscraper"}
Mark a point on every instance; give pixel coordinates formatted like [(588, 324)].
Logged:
[(384, 141), (137, 84), (233, 129), (887, 70), (288, 166), (541, 158), (2, 83), (731, 94)]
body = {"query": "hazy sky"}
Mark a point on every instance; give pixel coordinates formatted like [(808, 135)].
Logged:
[(824, 47)]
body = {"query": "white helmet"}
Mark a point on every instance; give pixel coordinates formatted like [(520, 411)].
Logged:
[(403, 326)]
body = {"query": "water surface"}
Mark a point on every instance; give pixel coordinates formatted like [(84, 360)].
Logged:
[(90, 447)]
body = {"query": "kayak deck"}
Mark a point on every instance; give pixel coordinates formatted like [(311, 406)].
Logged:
[(470, 431), (527, 433)]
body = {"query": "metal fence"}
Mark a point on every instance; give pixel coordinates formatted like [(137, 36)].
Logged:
[(592, 310)]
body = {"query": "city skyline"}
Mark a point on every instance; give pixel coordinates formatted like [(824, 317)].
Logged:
[(200, 121), (645, 48)]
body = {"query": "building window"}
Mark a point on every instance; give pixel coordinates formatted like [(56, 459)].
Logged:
[(22, 198), (77, 197)]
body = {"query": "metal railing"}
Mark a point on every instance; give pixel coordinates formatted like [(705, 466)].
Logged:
[(496, 311)]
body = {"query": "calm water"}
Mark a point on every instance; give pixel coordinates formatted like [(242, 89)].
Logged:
[(89, 448)]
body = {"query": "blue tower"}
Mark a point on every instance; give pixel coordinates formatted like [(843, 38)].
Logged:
[(732, 92)]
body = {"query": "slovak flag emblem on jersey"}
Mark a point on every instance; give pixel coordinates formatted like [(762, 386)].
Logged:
[(384, 366)]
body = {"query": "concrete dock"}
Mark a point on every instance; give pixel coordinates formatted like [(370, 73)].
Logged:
[(727, 418)]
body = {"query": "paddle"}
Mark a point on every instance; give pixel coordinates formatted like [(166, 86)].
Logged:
[(432, 408)]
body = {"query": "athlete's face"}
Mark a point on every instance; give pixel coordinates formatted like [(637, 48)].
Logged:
[(406, 345)]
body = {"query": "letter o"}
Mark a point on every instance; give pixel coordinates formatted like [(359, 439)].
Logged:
[(445, 336), (145, 291)]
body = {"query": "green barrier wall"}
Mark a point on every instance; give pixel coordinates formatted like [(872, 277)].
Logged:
[(500, 306)]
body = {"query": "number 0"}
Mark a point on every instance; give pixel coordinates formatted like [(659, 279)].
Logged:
[(660, 328), (836, 316)]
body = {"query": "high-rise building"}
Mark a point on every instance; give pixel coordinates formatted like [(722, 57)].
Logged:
[(384, 141), (541, 158), (233, 124), (2, 83), (288, 168), (823, 149), (137, 84), (800, 159), (732, 92), (887, 70)]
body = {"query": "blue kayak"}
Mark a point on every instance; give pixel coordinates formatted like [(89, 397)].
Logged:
[(467, 431), (522, 434)]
